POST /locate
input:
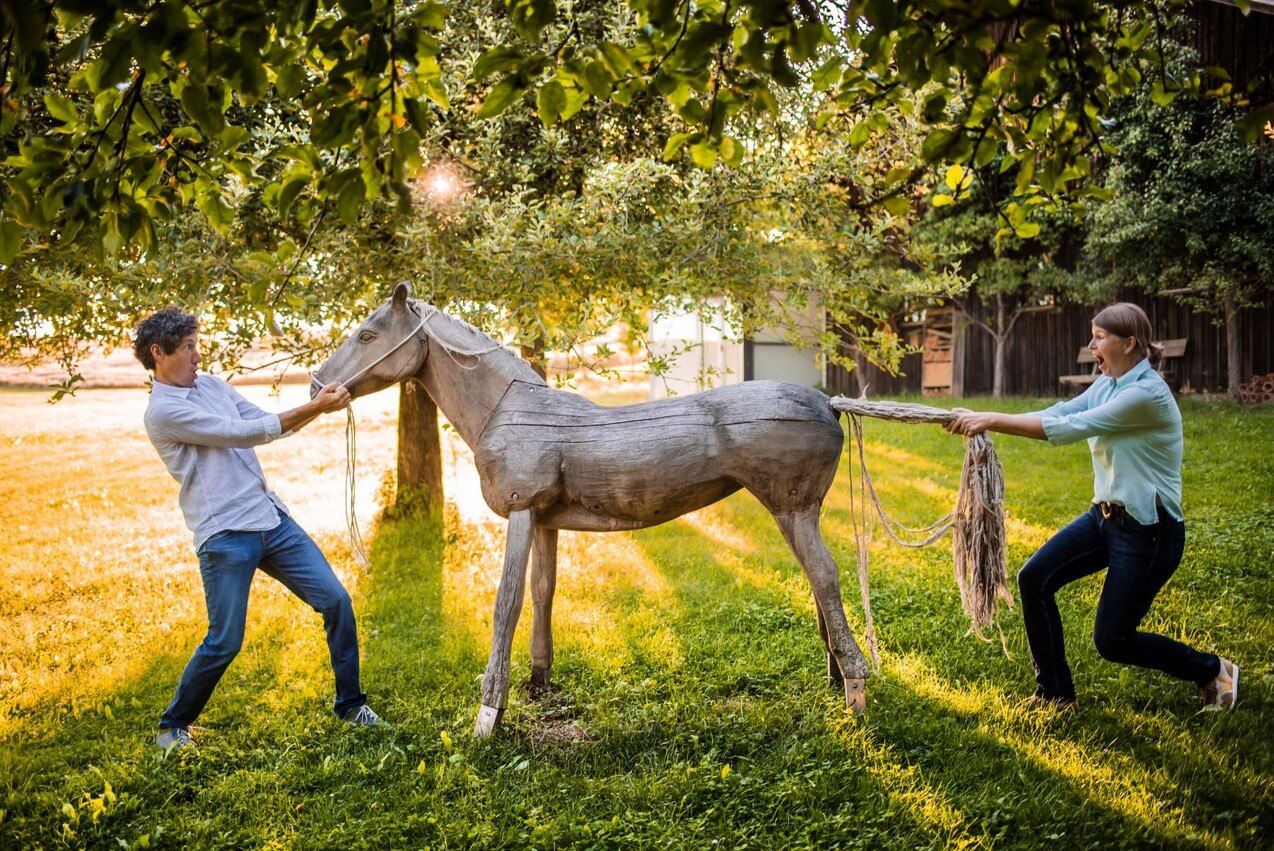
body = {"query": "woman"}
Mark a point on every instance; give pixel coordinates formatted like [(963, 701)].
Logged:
[(1134, 526)]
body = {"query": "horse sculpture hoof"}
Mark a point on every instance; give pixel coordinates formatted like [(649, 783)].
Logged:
[(488, 719), (539, 678), (856, 696)]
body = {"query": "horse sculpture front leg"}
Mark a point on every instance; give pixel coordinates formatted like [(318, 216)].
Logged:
[(508, 605)]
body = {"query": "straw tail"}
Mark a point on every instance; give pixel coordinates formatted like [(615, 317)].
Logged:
[(978, 543), (978, 519)]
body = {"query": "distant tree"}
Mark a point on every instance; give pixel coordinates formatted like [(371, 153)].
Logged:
[(1013, 274), (1190, 211)]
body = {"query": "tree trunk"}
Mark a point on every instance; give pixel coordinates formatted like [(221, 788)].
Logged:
[(534, 355), (1001, 346), (1233, 348), (419, 452)]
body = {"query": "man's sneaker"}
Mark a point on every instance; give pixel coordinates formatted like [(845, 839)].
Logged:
[(174, 738), (1057, 704), (363, 716), (1224, 690)]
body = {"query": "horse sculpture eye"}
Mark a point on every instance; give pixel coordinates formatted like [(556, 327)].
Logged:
[(366, 337)]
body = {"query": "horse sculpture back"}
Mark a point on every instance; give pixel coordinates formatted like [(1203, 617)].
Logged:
[(551, 460)]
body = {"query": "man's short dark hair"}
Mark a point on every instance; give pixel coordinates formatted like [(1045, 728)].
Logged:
[(167, 328)]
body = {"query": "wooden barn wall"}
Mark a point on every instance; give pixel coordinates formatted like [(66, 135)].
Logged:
[(1241, 44), (1045, 345)]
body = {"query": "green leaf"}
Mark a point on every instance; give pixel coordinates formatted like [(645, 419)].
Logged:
[(432, 16), (1025, 176), (256, 291), (207, 116), (617, 60), (61, 108), (574, 102), (287, 195), (675, 144), (827, 75), (10, 241), (417, 115), (501, 96), (937, 144), (437, 92), (234, 136), (494, 60), (1026, 230), (549, 102), (860, 134), (898, 205), (350, 200), (897, 174), (335, 128), (731, 152), (985, 153), (1160, 96), (598, 80), (531, 16), (704, 154)]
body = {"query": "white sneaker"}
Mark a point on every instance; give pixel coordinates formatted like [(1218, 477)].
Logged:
[(174, 738), (363, 716), (1224, 690)]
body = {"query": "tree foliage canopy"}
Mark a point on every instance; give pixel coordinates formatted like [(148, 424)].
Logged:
[(116, 113)]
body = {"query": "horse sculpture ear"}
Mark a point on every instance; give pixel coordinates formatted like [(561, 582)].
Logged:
[(402, 292)]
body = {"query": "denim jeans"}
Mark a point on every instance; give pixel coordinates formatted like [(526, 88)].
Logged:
[(1140, 559), (227, 563)]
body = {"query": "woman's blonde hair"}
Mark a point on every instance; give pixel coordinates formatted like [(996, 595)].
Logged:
[(1125, 319)]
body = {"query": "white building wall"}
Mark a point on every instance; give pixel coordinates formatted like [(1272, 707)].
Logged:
[(711, 355)]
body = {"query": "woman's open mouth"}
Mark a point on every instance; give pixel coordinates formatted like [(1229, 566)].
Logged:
[(1101, 364)]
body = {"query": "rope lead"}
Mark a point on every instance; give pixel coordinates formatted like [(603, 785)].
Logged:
[(978, 544)]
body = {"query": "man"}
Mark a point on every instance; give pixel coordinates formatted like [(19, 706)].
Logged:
[(204, 431)]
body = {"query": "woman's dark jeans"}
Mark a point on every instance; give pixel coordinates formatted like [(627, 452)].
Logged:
[(227, 562), (1141, 559)]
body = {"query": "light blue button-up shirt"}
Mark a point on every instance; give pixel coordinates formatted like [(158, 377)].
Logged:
[(205, 435), (1133, 428)]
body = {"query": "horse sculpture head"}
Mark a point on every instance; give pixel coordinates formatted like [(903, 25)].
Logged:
[(385, 349)]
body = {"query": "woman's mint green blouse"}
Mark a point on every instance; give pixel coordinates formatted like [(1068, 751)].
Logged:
[(1133, 428)]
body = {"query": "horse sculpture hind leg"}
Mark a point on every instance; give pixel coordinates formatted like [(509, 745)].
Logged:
[(801, 530), (834, 676), (543, 584)]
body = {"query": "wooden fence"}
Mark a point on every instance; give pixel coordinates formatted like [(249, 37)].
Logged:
[(1044, 346)]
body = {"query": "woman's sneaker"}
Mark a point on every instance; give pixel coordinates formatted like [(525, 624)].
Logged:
[(1224, 690), (363, 716)]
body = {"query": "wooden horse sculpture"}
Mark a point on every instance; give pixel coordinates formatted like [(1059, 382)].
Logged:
[(551, 460)]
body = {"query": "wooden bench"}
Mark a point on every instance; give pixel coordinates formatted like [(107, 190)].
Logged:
[(1172, 349)]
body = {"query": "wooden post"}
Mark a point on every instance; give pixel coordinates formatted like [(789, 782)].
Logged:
[(419, 452)]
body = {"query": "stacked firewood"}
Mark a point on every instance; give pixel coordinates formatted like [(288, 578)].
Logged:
[(1259, 389)]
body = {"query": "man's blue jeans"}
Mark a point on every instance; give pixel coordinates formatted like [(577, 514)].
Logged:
[(1141, 559), (227, 562)]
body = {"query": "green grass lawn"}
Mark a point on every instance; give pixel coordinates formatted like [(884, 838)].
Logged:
[(690, 707)]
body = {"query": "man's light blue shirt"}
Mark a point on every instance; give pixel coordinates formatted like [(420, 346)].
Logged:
[(1133, 428), (205, 435)]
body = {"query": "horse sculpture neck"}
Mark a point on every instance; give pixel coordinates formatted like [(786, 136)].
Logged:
[(467, 387)]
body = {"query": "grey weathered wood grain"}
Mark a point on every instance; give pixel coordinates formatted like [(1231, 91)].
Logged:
[(543, 584), (549, 460)]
